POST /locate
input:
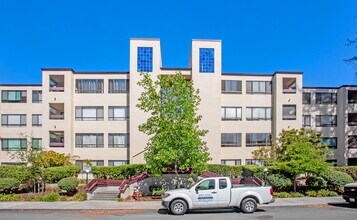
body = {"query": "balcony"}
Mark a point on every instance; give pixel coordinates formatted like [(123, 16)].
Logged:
[(56, 111), (352, 119), (56, 139), (352, 96), (56, 83), (289, 85)]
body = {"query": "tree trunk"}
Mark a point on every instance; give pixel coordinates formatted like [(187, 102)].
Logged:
[(295, 177)]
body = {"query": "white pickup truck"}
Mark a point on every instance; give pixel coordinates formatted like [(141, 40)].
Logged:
[(217, 192)]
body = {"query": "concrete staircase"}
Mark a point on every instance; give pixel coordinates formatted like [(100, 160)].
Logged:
[(105, 193)]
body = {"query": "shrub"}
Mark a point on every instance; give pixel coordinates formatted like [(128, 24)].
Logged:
[(63, 198), (336, 179), (279, 181), (9, 184), (316, 181), (118, 172), (156, 190), (350, 170), (80, 197), (253, 170), (323, 192), (282, 195), (69, 184), (311, 193), (54, 174), (10, 198), (225, 170), (51, 197), (296, 194), (21, 173)]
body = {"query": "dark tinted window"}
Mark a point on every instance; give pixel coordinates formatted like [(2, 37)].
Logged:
[(222, 183)]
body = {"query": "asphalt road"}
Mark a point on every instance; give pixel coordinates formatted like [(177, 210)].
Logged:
[(325, 212)]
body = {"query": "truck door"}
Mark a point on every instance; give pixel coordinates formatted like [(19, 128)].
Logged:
[(205, 194), (224, 192)]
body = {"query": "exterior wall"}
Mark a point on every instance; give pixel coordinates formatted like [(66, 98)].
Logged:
[(27, 108), (212, 99)]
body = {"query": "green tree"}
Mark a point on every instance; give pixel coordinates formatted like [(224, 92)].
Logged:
[(301, 151), (174, 134)]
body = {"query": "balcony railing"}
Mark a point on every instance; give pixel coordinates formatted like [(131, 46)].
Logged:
[(57, 117), (290, 90), (56, 89), (352, 100), (56, 144), (352, 123), (289, 117)]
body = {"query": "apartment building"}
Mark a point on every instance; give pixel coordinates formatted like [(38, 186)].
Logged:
[(93, 114)]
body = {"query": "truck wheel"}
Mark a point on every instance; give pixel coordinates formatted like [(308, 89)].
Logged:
[(178, 207), (249, 205)]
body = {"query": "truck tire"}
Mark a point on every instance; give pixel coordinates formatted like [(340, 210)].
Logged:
[(248, 205), (178, 207)]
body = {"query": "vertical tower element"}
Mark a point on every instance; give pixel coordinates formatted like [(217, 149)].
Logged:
[(145, 56), (206, 75)]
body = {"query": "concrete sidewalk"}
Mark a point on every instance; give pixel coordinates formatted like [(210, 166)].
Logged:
[(147, 205)]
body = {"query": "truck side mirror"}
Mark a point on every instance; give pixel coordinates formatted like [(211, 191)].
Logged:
[(197, 188)]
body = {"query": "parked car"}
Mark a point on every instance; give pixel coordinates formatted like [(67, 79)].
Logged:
[(217, 192), (350, 193)]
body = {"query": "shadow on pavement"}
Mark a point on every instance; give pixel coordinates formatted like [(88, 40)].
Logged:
[(343, 205), (206, 211)]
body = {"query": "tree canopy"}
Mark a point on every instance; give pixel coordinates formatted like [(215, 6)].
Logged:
[(174, 134)]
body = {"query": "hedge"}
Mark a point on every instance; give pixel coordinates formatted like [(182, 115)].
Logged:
[(279, 181), (350, 170), (336, 179), (21, 173), (316, 181), (225, 170), (9, 184), (118, 172), (55, 174)]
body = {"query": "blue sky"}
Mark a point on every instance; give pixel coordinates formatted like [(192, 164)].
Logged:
[(257, 36)]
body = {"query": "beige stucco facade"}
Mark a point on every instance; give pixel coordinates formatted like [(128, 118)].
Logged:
[(82, 123)]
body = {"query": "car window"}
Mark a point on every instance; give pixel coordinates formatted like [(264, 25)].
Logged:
[(222, 183), (207, 185)]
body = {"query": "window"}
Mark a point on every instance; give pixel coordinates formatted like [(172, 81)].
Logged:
[(12, 144), (258, 139), (254, 162), (289, 112), (258, 113), (118, 113), (232, 86), (118, 140), (306, 98), (258, 87), (89, 140), (330, 142), (206, 60), (36, 120), (87, 113), (8, 96), (231, 113), (231, 139), (222, 183), (37, 143), (352, 119), (118, 86), (289, 85), (326, 120), (352, 141), (56, 83), (36, 96), (13, 120), (326, 98), (207, 185), (231, 162), (352, 96), (306, 120), (83, 165), (145, 59), (115, 163), (89, 86)]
